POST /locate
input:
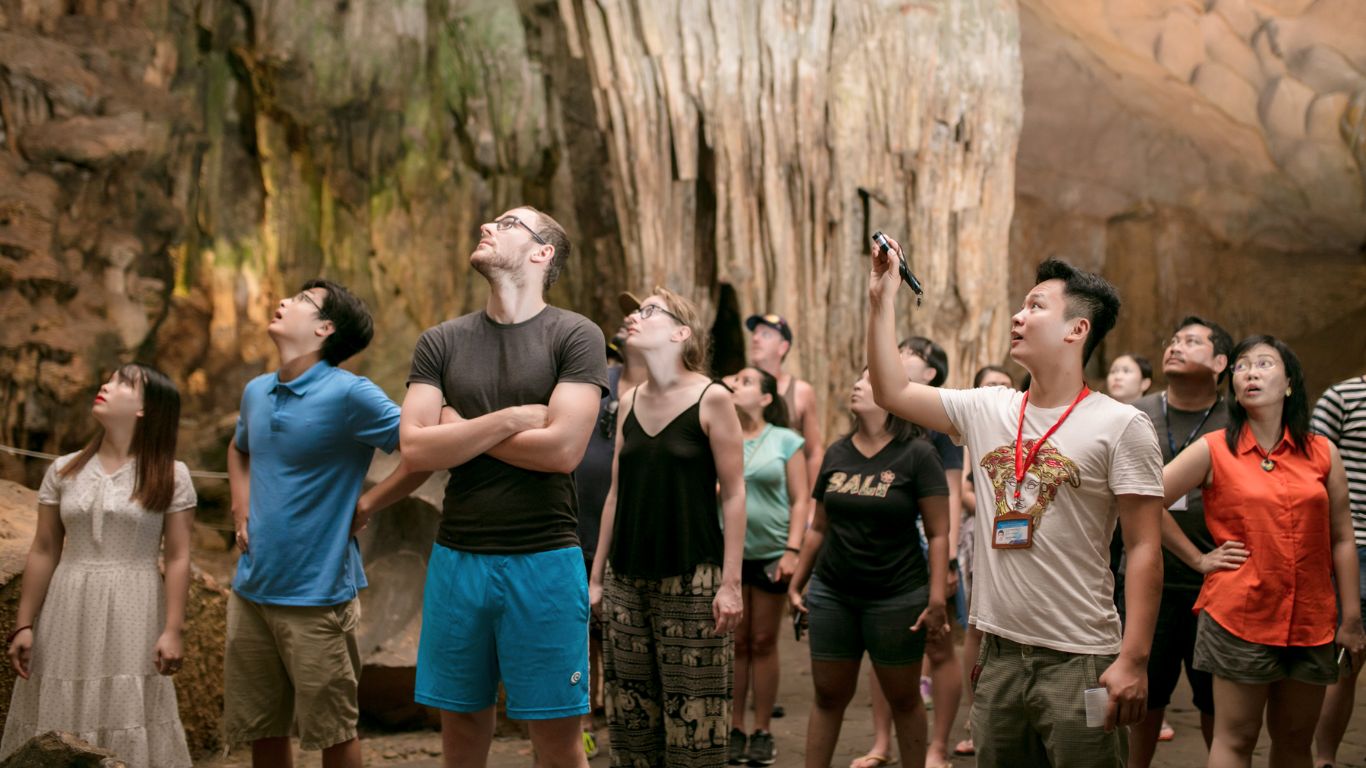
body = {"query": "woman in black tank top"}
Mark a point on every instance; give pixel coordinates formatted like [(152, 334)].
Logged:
[(667, 577)]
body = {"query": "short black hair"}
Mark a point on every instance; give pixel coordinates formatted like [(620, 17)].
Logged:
[(1088, 295), (351, 322), (1220, 338), (933, 355)]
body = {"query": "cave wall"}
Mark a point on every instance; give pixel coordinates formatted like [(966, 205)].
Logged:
[(170, 169), (1210, 158)]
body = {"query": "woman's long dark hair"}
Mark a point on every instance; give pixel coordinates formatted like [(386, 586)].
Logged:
[(154, 438), (775, 412), (1295, 410)]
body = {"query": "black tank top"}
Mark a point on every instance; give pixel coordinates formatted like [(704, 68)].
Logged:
[(667, 519)]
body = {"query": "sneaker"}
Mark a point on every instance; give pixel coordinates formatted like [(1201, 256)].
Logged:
[(739, 752), (761, 748), (590, 745)]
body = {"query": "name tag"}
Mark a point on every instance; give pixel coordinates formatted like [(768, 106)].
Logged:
[(1013, 531), (1180, 505)]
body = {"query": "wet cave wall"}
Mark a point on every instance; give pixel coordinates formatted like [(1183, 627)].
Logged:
[(170, 169)]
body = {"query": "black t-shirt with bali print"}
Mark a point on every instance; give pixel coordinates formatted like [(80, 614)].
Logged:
[(872, 547)]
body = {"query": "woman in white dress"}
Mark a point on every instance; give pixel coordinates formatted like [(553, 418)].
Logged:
[(97, 636)]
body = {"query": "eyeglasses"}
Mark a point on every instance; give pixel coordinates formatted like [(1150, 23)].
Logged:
[(308, 297), (508, 222), (1261, 364), (646, 311)]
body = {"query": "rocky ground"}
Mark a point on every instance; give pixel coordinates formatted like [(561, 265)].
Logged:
[(423, 748)]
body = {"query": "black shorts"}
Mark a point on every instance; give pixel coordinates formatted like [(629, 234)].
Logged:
[(753, 573), (1174, 647)]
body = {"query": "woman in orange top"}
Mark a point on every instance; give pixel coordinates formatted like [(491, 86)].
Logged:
[(1276, 501)]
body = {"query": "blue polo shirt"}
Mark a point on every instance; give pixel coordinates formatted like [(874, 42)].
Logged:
[(310, 441)]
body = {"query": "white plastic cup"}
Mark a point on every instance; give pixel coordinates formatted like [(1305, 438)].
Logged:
[(1097, 700)]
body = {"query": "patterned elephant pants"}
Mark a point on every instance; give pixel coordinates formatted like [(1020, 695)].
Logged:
[(667, 675)]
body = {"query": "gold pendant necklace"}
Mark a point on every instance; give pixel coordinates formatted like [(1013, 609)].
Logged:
[(1268, 464)]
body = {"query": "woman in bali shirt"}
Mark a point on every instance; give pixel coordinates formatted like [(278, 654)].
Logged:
[(1276, 504), (98, 635)]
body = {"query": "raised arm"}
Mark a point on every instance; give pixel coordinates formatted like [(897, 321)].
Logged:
[(428, 444), (892, 390), (43, 557), (558, 445)]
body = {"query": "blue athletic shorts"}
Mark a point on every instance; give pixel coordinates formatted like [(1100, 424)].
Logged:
[(519, 618)]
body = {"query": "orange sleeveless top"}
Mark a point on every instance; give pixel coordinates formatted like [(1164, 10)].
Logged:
[(1283, 594)]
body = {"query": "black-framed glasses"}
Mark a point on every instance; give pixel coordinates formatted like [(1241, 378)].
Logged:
[(308, 297), (508, 222), (646, 311)]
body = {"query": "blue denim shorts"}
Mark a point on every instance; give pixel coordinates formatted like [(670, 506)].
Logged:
[(844, 626), (519, 618)]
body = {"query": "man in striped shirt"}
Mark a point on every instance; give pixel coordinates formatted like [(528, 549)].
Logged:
[(1340, 416)]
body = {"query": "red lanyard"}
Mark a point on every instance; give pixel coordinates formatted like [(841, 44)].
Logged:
[(1022, 467)]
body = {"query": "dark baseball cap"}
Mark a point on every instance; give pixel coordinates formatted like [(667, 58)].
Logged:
[(776, 322), (628, 302)]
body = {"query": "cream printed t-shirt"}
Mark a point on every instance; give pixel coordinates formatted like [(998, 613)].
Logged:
[(1058, 593)]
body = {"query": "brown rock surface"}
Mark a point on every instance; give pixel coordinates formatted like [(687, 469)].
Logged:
[(1208, 157), (61, 750)]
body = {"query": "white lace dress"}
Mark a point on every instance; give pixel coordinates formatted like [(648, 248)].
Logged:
[(93, 670)]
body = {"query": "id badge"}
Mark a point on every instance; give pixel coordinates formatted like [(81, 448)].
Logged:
[(1180, 505), (1014, 530)]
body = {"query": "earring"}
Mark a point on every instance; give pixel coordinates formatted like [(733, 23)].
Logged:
[(1288, 391)]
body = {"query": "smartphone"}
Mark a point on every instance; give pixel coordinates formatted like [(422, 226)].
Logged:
[(771, 570), (799, 624)]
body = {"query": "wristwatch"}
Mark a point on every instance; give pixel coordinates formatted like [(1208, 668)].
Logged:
[(953, 563)]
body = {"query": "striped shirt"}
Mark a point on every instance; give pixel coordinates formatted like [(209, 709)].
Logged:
[(1340, 416)]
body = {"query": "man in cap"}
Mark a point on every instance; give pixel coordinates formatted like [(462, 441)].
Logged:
[(769, 342)]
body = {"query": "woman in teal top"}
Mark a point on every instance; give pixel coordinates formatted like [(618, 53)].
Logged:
[(776, 498)]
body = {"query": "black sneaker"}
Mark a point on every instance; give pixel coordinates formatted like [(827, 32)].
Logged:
[(739, 754), (761, 748)]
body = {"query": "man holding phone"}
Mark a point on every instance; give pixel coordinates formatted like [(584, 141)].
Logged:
[(1061, 465)]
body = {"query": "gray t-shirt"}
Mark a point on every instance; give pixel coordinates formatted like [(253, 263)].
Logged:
[(481, 366), (1177, 429)]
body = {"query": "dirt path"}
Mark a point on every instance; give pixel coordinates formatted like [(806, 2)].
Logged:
[(422, 749)]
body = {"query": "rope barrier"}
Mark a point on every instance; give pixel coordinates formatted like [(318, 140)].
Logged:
[(201, 473)]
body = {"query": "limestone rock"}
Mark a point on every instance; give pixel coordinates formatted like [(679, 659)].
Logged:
[(61, 750)]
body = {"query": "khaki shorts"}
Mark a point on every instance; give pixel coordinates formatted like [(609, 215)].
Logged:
[(291, 664), (1029, 710), (1223, 654)]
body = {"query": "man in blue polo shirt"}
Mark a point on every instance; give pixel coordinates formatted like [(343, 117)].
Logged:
[(297, 462)]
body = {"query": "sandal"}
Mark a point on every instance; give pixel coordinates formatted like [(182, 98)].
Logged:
[(872, 760), (1167, 732), (964, 748)]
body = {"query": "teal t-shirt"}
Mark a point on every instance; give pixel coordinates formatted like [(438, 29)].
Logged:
[(767, 506)]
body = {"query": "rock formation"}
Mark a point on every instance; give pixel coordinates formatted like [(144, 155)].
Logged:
[(1210, 157), (170, 170)]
